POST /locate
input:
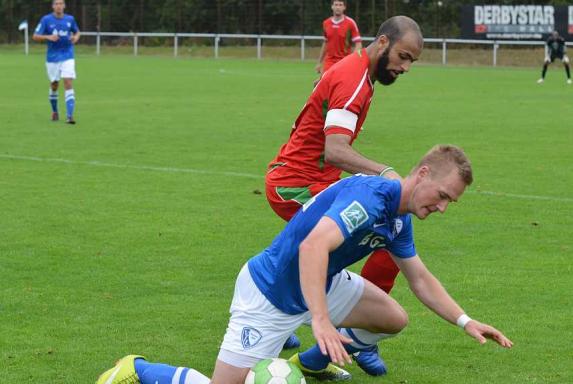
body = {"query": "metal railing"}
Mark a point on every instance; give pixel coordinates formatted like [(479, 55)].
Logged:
[(495, 44)]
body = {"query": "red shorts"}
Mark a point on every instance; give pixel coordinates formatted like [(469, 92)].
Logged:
[(286, 201)]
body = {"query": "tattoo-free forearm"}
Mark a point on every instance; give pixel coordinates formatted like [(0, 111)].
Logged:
[(313, 264), (343, 156), (40, 38), (432, 293)]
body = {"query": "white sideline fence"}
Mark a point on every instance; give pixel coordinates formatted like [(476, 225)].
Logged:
[(495, 44)]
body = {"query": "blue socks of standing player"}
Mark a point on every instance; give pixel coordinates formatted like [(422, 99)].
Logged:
[(152, 373), (54, 100), (70, 102)]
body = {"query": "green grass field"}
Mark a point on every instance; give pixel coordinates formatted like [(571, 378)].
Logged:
[(124, 234)]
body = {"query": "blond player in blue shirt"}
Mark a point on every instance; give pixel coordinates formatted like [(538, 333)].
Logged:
[(301, 278)]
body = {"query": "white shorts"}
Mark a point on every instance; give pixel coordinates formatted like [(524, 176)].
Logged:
[(62, 69), (564, 59), (257, 330)]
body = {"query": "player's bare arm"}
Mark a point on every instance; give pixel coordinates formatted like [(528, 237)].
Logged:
[(431, 292), (357, 46), (339, 153), (75, 37), (42, 38), (313, 263)]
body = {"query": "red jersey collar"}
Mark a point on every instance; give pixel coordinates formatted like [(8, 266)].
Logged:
[(339, 21)]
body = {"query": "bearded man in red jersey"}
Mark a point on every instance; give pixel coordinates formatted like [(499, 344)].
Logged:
[(320, 143)]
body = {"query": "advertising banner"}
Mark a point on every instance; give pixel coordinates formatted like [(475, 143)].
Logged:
[(516, 22), (570, 22)]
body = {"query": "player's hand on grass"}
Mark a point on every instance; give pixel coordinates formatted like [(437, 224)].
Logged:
[(74, 39), (330, 341), (481, 332), (318, 68)]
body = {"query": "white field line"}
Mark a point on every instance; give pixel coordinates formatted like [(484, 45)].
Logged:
[(128, 166), (239, 174), (527, 197)]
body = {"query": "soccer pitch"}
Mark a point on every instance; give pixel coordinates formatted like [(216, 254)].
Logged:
[(124, 234)]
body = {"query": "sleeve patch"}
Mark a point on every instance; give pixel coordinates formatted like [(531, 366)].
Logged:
[(341, 118), (398, 225), (354, 216)]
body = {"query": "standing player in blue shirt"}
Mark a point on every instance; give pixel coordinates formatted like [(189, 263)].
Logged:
[(301, 278), (61, 32)]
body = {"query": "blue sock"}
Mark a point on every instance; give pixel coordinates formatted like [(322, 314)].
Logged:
[(152, 373), (70, 102), (54, 100), (314, 359), (358, 344)]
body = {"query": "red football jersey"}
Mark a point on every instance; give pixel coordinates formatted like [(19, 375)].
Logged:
[(339, 36), (338, 104)]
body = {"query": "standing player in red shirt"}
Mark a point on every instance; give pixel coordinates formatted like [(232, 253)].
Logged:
[(319, 149), (340, 32)]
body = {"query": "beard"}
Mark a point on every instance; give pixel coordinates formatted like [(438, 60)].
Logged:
[(383, 75)]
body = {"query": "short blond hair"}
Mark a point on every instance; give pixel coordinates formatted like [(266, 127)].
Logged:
[(442, 157)]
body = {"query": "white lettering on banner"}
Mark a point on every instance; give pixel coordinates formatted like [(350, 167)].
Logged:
[(521, 15), (478, 15), (516, 14)]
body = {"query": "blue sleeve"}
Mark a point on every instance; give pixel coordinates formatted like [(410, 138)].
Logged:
[(74, 28), (355, 208), (41, 28), (403, 245)]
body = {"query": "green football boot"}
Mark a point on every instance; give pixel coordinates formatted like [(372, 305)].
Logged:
[(122, 373), (330, 373)]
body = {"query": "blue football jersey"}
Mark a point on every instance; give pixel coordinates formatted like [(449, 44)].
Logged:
[(366, 211), (63, 49)]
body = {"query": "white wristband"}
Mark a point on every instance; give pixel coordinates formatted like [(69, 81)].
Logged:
[(387, 169), (463, 320)]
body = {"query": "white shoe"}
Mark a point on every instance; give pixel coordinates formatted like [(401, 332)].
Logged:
[(540, 81), (568, 81)]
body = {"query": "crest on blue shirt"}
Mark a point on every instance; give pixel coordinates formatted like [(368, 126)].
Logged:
[(354, 216), (250, 337), (398, 225)]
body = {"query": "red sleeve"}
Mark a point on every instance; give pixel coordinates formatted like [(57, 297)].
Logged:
[(355, 33), (348, 90)]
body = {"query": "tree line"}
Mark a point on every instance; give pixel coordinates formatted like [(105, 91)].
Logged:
[(438, 18)]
